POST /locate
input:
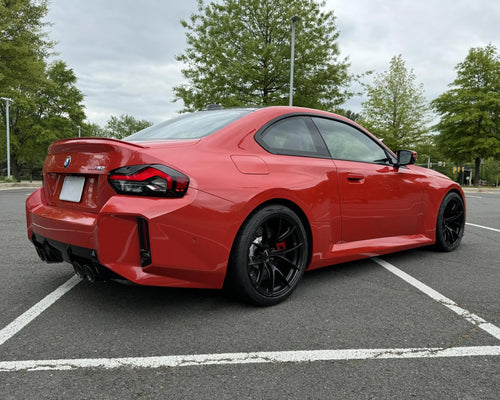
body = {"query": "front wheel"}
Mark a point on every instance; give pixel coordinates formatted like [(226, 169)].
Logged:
[(269, 256), (450, 222)]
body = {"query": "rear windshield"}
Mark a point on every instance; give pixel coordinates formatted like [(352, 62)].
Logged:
[(190, 126)]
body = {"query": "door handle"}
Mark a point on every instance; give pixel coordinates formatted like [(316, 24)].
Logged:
[(355, 178)]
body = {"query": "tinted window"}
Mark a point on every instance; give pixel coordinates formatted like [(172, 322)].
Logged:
[(348, 143), (190, 126), (290, 136)]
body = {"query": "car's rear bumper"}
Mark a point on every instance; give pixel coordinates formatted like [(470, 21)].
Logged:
[(189, 244), (65, 225)]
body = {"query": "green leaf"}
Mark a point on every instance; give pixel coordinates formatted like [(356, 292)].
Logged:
[(238, 54)]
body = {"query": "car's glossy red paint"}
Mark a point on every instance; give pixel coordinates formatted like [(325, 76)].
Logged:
[(351, 210)]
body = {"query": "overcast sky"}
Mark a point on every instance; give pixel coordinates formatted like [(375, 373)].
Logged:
[(123, 51)]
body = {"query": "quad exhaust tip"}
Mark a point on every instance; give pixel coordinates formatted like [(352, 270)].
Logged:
[(78, 270), (90, 273), (46, 252), (41, 252), (86, 272)]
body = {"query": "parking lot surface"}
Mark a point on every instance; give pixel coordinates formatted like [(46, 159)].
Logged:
[(415, 324)]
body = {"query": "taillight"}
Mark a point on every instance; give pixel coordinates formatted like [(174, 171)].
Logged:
[(149, 180)]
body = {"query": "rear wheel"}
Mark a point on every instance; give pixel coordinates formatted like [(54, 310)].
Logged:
[(269, 256), (450, 222)]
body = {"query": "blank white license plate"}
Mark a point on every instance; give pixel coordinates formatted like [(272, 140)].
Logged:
[(72, 189)]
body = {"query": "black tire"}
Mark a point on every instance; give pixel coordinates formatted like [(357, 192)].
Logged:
[(269, 256), (450, 222)]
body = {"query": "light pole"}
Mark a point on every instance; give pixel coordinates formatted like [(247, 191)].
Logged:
[(7, 103), (79, 131), (295, 19)]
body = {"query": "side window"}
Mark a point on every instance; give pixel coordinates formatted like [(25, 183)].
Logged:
[(347, 143), (291, 136)]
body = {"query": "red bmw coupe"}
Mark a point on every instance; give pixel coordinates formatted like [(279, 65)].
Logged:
[(243, 198)]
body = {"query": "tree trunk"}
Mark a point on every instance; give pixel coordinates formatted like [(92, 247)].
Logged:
[(265, 96), (477, 168), (15, 168)]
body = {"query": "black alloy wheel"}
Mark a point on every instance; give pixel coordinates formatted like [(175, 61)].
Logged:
[(450, 222), (269, 256)]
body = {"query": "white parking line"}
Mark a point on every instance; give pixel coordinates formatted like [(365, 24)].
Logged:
[(28, 316), (248, 358), (251, 357), (445, 301), (483, 227)]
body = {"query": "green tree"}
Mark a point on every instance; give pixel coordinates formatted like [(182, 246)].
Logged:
[(23, 48), (23, 43), (238, 54), (353, 116), (125, 125), (91, 129), (47, 105), (396, 109), (470, 110), (38, 117), (491, 171)]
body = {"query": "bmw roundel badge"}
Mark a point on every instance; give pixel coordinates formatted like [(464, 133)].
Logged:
[(67, 162)]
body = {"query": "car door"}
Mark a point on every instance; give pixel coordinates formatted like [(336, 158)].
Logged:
[(377, 199), (303, 155)]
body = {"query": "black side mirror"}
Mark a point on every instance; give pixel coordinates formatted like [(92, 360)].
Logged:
[(406, 157)]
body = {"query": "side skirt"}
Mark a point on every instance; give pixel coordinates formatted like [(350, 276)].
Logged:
[(350, 251)]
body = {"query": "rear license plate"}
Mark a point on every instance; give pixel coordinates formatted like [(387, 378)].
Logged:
[(72, 189)]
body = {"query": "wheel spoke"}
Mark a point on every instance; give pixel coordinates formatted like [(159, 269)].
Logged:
[(454, 218), (450, 235), (279, 229), (273, 278), (287, 233), (286, 260), (255, 262), (262, 274), (283, 277), (452, 223), (260, 277)]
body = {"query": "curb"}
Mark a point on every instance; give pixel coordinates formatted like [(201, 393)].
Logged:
[(480, 190), (20, 185)]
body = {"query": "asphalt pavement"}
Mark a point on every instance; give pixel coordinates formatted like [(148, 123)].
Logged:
[(350, 331)]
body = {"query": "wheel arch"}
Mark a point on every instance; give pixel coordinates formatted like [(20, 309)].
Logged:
[(292, 206), (442, 241), (445, 193)]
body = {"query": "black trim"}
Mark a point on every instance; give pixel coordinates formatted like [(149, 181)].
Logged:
[(53, 251), (392, 160), (325, 153), (144, 243)]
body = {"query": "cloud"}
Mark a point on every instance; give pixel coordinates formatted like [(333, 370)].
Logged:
[(141, 90), (433, 36), (123, 51)]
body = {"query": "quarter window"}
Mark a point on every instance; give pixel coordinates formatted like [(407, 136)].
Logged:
[(345, 142), (292, 136)]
